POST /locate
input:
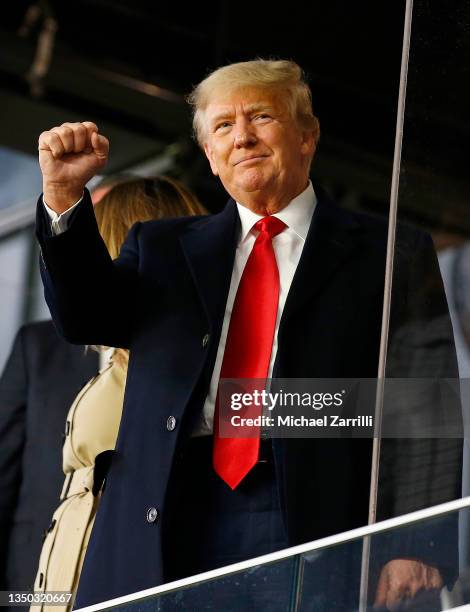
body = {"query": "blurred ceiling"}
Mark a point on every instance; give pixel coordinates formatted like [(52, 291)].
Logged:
[(127, 66)]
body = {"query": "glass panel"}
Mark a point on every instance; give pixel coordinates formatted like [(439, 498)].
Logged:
[(263, 587), (413, 567), (432, 218)]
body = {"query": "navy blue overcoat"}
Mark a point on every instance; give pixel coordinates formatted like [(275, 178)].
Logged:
[(164, 296)]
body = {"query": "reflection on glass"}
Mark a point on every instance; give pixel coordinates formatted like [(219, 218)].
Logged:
[(454, 262), (330, 577), (327, 579), (263, 587), (435, 197)]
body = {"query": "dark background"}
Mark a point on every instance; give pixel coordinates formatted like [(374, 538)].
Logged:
[(128, 64), (110, 58)]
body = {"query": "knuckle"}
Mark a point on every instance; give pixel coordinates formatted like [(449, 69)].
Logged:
[(76, 128), (54, 137), (89, 125), (62, 132)]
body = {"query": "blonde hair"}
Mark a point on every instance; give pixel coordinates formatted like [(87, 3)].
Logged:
[(281, 76), (141, 199)]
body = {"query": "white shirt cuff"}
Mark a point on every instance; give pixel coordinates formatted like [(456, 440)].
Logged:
[(59, 222)]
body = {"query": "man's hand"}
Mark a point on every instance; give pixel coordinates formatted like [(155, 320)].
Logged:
[(69, 156), (401, 579)]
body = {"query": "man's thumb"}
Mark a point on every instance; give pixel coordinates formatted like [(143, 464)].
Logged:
[(100, 145)]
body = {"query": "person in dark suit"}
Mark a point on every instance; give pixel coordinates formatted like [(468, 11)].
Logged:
[(281, 283), (42, 376)]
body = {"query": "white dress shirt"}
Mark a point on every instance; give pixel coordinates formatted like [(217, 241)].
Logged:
[(287, 245), (59, 222)]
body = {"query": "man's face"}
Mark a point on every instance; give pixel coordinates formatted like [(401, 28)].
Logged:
[(256, 148)]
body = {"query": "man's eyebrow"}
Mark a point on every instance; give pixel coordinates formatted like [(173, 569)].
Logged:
[(250, 108), (259, 106), (222, 115)]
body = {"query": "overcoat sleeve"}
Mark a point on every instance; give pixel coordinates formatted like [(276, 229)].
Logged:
[(91, 297)]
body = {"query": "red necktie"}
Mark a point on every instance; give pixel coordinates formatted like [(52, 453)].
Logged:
[(249, 345)]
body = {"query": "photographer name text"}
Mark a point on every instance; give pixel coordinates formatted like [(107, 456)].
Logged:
[(331, 420)]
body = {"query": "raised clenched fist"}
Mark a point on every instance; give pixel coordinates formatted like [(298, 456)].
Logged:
[(69, 156)]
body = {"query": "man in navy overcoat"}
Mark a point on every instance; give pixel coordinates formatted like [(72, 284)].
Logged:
[(169, 298)]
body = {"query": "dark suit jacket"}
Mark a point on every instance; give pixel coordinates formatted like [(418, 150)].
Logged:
[(41, 379), (168, 289)]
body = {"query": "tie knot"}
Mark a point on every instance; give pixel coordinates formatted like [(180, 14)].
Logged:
[(271, 225)]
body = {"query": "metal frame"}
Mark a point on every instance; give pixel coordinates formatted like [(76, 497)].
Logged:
[(392, 222)]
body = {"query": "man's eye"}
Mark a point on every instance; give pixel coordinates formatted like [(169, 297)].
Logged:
[(262, 117), (222, 125)]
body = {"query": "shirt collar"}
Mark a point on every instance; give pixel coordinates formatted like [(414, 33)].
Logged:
[(297, 215)]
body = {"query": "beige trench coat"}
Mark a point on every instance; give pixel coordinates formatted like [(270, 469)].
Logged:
[(91, 428)]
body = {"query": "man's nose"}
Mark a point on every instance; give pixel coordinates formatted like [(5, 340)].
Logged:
[(244, 136)]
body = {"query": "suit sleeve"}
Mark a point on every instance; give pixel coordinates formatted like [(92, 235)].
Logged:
[(13, 398), (91, 297)]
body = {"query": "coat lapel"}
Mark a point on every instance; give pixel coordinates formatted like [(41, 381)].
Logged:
[(330, 241), (209, 246)]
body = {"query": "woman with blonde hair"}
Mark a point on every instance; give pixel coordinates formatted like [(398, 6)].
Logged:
[(93, 420)]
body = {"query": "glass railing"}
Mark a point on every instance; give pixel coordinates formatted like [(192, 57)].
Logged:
[(412, 564)]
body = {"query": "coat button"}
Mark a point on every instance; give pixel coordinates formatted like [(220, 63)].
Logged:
[(152, 515), (205, 341), (171, 423)]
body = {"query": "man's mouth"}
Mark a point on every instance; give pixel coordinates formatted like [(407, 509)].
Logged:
[(250, 159)]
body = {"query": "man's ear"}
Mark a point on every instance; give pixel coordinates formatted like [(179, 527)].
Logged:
[(308, 144), (210, 157)]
